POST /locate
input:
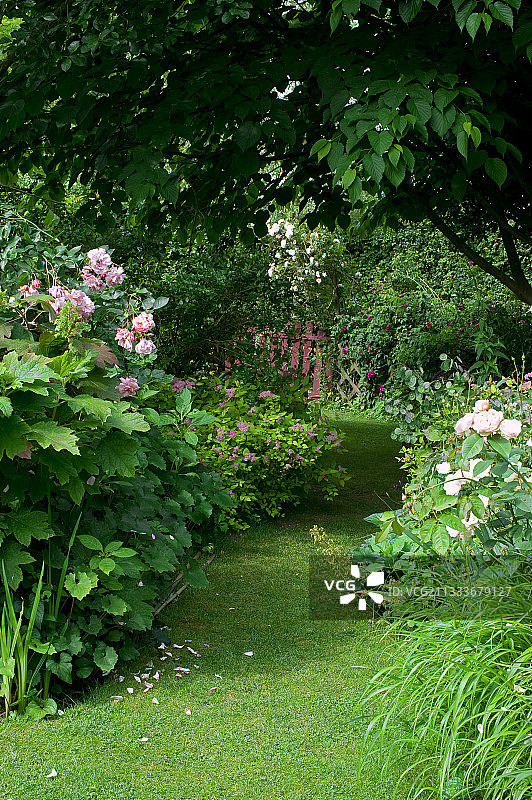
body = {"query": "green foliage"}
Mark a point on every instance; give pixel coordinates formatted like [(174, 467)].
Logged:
[(410, 296), (77, 460), (301, 117), (461, 691), (269, 456)]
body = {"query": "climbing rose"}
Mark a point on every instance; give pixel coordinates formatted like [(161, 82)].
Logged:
[(145, 347), (487, 422), (128, 387), (444, 468), (510, 428), (115, 276), (482, 405), (83, 303), (125, 338), (91, 281), (100, 260), (143, 323)]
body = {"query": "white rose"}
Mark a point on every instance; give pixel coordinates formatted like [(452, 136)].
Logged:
[(481, 405), (510, 428), (487, 422), (464, 424), (444, 468), (453, 483)]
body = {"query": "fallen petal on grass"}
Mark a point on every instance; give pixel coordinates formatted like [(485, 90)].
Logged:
[(53, 773)]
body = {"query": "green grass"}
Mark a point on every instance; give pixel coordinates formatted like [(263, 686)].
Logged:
[(285, 723)]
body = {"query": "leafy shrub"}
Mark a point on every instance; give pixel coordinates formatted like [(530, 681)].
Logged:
[(92, 488), (268, 456), (474, 481)]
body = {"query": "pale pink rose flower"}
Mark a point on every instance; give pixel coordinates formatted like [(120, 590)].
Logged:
[(28, 291), (92, 282), (454, 482), (125, 338), (143, 323), (487, 422), (444, 468), (145, 347), (115, 276), (482, 405), (464, 424), (83, 303), (510, 428), (60, 294), (128, 387), (100, 260)]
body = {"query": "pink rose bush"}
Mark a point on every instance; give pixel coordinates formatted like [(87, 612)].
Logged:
[(479, 489)]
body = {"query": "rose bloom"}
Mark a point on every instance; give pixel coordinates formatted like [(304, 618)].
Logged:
[(83, 303), (143, 323), (100, 260), (115, 276), (125, 338), (487, 422), (481, 405), (510, 428), (443, 468), (145, 347), (464, 424), (454, 482), (128, 387), (92, 281)]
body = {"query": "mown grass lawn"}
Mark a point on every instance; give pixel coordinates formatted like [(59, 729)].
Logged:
[(283, 723)]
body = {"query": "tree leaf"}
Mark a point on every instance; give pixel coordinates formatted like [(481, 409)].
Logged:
[(496, 170)]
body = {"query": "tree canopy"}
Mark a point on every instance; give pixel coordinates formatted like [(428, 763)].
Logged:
[(211, 112)]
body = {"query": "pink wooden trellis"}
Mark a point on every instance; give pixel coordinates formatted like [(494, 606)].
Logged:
[(305, 347)]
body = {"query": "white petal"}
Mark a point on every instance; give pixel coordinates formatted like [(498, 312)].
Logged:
[(248, 653), (155, 701), (130, 690), (53, 774)]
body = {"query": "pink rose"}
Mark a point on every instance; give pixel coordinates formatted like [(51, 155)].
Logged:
[(100, 260), (83, 303), (125, 338), (143, 323), (487, 422), (464, 424), (481, 405), (128, 387), (115, 276), (92, 281), (145, 347), (510, 428)]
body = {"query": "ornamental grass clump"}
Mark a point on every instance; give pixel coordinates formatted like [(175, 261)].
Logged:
[(457, 701)]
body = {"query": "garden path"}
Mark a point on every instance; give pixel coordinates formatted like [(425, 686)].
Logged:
[(283, 723)]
